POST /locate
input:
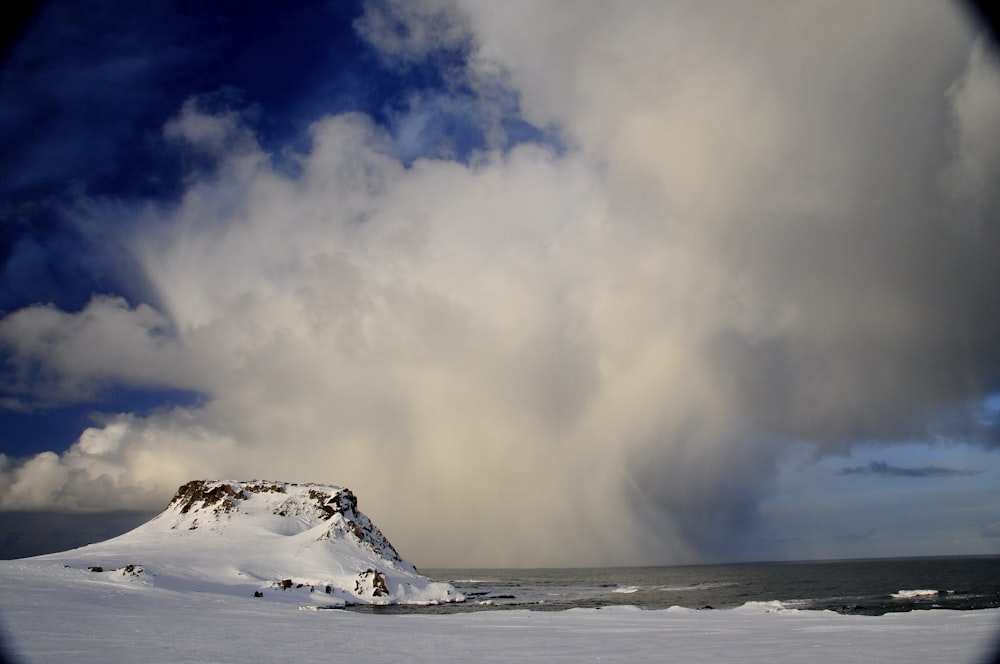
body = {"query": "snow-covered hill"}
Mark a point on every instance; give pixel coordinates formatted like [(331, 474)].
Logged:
[(304, 543)]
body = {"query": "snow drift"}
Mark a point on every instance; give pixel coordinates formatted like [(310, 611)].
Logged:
[(306, 543)]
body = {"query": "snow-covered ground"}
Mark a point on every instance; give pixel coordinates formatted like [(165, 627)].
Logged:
[(292, 543), (80, 617), (181, 588)]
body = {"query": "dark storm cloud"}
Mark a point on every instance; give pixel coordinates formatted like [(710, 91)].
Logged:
[(34, 533), (883, 469)]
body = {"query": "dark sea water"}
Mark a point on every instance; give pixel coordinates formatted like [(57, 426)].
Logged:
[(872, 587)]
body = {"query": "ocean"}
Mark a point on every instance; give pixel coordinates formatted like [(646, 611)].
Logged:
[(870, 587)]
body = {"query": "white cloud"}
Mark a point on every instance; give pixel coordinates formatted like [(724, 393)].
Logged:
[(408, 32), (68, 356), (558, 358), (125, 464)]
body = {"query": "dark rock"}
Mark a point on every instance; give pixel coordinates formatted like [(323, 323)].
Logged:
[(264, 487), (360, 534), (96, 568), (373, 578), (344, 501), (198, 491)]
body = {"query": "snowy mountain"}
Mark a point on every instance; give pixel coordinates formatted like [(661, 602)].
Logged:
[(304, 543)]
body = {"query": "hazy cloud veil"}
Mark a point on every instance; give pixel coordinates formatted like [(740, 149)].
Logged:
[(765, 224)]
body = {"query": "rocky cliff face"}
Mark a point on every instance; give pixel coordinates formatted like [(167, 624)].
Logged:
[(213, 504), (292, 542)]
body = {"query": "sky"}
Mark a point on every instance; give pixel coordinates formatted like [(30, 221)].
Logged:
[(544, 283)]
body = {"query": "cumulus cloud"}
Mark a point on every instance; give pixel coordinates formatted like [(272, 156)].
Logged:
[(59, 356), (596, 354), (125, 464)]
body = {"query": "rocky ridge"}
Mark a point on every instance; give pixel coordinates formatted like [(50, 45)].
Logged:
[(209, 504), (264, 539)]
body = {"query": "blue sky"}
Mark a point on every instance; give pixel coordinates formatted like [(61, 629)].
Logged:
[(677, 283)]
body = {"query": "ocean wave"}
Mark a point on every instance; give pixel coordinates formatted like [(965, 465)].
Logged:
[(909, 594), (626, 590), (698, 586), (762, 607)]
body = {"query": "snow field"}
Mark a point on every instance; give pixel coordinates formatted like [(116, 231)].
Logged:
[(69, 617)]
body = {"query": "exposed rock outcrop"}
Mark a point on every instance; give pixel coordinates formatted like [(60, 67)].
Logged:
[(207, 504), (256, 535)]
